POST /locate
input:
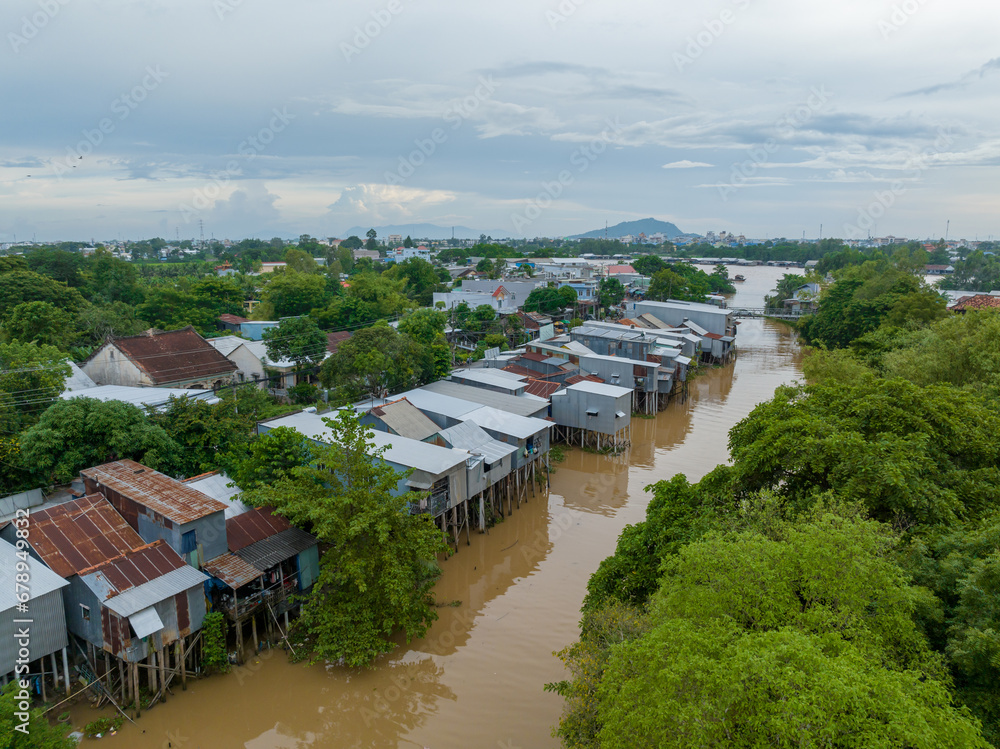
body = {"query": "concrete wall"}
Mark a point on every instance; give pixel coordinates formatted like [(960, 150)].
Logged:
[(109, 366)]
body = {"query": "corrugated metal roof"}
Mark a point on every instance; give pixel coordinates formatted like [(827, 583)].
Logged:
[(470, 436), (596, 388), (253, 526), (78, 379), (145, 622), (506, 381), (135, 568), (265, 554), (226, 344), (520, 427), (542, 388), (172, 499), (582, 378), (43, 580), (153, 397), (405, 419), (159, 589), (232, 570), (437, 403), (399, 450), (216, 486), (80, 534), (511, 403)]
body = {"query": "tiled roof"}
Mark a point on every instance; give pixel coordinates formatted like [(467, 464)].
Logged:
[(166, 496), (979, 301), (174, 356), (232, 319), (80, 534)]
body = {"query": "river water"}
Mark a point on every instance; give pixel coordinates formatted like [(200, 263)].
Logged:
[(476, 680)]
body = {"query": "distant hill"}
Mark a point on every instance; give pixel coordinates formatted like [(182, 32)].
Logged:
[(422, 231), (645, 226)]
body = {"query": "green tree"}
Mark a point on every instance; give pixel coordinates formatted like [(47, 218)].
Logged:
[(296, 339), (39, 734), (292, 293), (271, 457), (110, 279), (300, 260), (374, 362), (420, 278), (648, 265), (407, 242), (83, 432), (171, 308), (546, 300), (610, 292), (426, 327), (353, 242), (31, 378), (376, 577), (371, 243), (39, 322), (97, 323), (17, 287)]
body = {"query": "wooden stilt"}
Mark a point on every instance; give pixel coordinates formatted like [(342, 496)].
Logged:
[(183, 664), (253, 625), (124, 681), (55, 671), (41, 667), (65, 662), (161, 661), (135, 689)]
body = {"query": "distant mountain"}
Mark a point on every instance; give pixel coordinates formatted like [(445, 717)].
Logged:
[(645, 226), (423, 231)]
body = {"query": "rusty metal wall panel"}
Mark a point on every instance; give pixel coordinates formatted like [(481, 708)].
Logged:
[(183, 615)]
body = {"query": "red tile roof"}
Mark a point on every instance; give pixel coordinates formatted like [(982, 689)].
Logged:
[(232, 319), (137, 567), (519, 370), (168, 497), (173, 356), (533, 356), (620, 269), (251, 527), (76, 535), (979, 301)]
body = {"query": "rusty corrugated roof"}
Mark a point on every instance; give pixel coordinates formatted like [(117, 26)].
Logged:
[(166, 496), (333, 340), (174, 355), (80, 534), (583, 378), (232, 319), (541, 388), (232, 570), (979, 301), (136, 567), (253, 526)]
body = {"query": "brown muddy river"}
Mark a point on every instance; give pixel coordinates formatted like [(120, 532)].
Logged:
[(476, 680)]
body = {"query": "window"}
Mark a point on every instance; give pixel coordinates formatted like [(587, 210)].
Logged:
[(85, 612)]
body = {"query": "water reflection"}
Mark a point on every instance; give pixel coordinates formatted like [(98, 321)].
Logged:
[(594, 483)]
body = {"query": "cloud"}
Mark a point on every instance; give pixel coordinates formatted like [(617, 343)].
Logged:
[(958, 83), (685, 164)]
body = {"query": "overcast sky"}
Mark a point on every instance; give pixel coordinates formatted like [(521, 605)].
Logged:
[(524, 118)]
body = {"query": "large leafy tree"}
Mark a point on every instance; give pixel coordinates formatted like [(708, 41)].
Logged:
[(420, 278), (376, 361), (21, 286), (39, 322), (784, 633), (610, 292), (292, 293), (376, 577), (271, 457), (82, 432), (31, 378), (546, 300), (426, 327), (648, 265), (296, 339), (911, 454)]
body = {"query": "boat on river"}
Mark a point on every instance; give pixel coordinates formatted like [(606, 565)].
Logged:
[(739, 278)]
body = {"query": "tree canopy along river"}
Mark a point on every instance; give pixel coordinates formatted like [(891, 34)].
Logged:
[(476, 680)]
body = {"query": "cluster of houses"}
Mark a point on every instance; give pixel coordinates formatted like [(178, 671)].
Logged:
[(122, 570)]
